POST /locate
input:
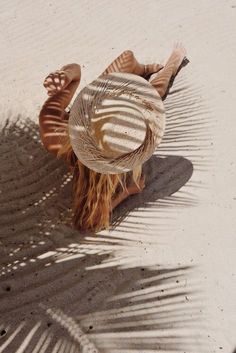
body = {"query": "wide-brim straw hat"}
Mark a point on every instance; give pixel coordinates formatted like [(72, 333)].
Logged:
[(116, 122)]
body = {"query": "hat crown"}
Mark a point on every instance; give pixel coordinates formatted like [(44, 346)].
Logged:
[(116, 122), (117, 126)]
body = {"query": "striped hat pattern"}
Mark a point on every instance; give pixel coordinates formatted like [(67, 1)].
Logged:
[(116, 122)]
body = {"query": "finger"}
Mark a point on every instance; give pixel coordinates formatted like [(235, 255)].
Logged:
[(48, 79), (46, 86), (57, 79), (57, 75), (47, 82), (62, 74), (50, 89), (50, 76), (51, 92), (63, 81), (57, 83)]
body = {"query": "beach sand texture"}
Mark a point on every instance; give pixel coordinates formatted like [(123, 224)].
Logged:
[(163, 278)]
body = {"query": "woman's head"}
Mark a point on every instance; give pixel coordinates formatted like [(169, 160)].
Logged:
[(116, 122), (92, 191)]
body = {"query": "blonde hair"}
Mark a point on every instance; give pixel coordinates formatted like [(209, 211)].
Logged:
[(92, 191)]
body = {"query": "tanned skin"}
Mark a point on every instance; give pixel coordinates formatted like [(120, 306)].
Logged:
[(62, 84)]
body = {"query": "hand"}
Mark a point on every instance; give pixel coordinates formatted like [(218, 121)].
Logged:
[(131, 190), (135, 189), (56, 81)]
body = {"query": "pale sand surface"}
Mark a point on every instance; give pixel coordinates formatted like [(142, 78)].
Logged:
[(126, 290)]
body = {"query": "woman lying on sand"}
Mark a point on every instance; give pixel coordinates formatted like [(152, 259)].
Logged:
[(113, 127)]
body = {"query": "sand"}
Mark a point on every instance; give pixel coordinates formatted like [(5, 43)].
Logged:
[(163, 279)]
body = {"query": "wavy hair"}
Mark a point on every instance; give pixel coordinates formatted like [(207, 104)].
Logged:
[(93, 192)]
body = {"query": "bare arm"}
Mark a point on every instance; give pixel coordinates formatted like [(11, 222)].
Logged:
[(127, 62), (61, 86)]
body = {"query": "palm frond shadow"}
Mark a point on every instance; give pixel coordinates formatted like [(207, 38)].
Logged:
[(56, 294), (100, 310), (189, 126)]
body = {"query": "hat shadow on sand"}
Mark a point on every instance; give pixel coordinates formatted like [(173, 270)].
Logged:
[(54, 289), (163, 177)]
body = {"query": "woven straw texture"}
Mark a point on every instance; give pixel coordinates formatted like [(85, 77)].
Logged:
[(116, 122)]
